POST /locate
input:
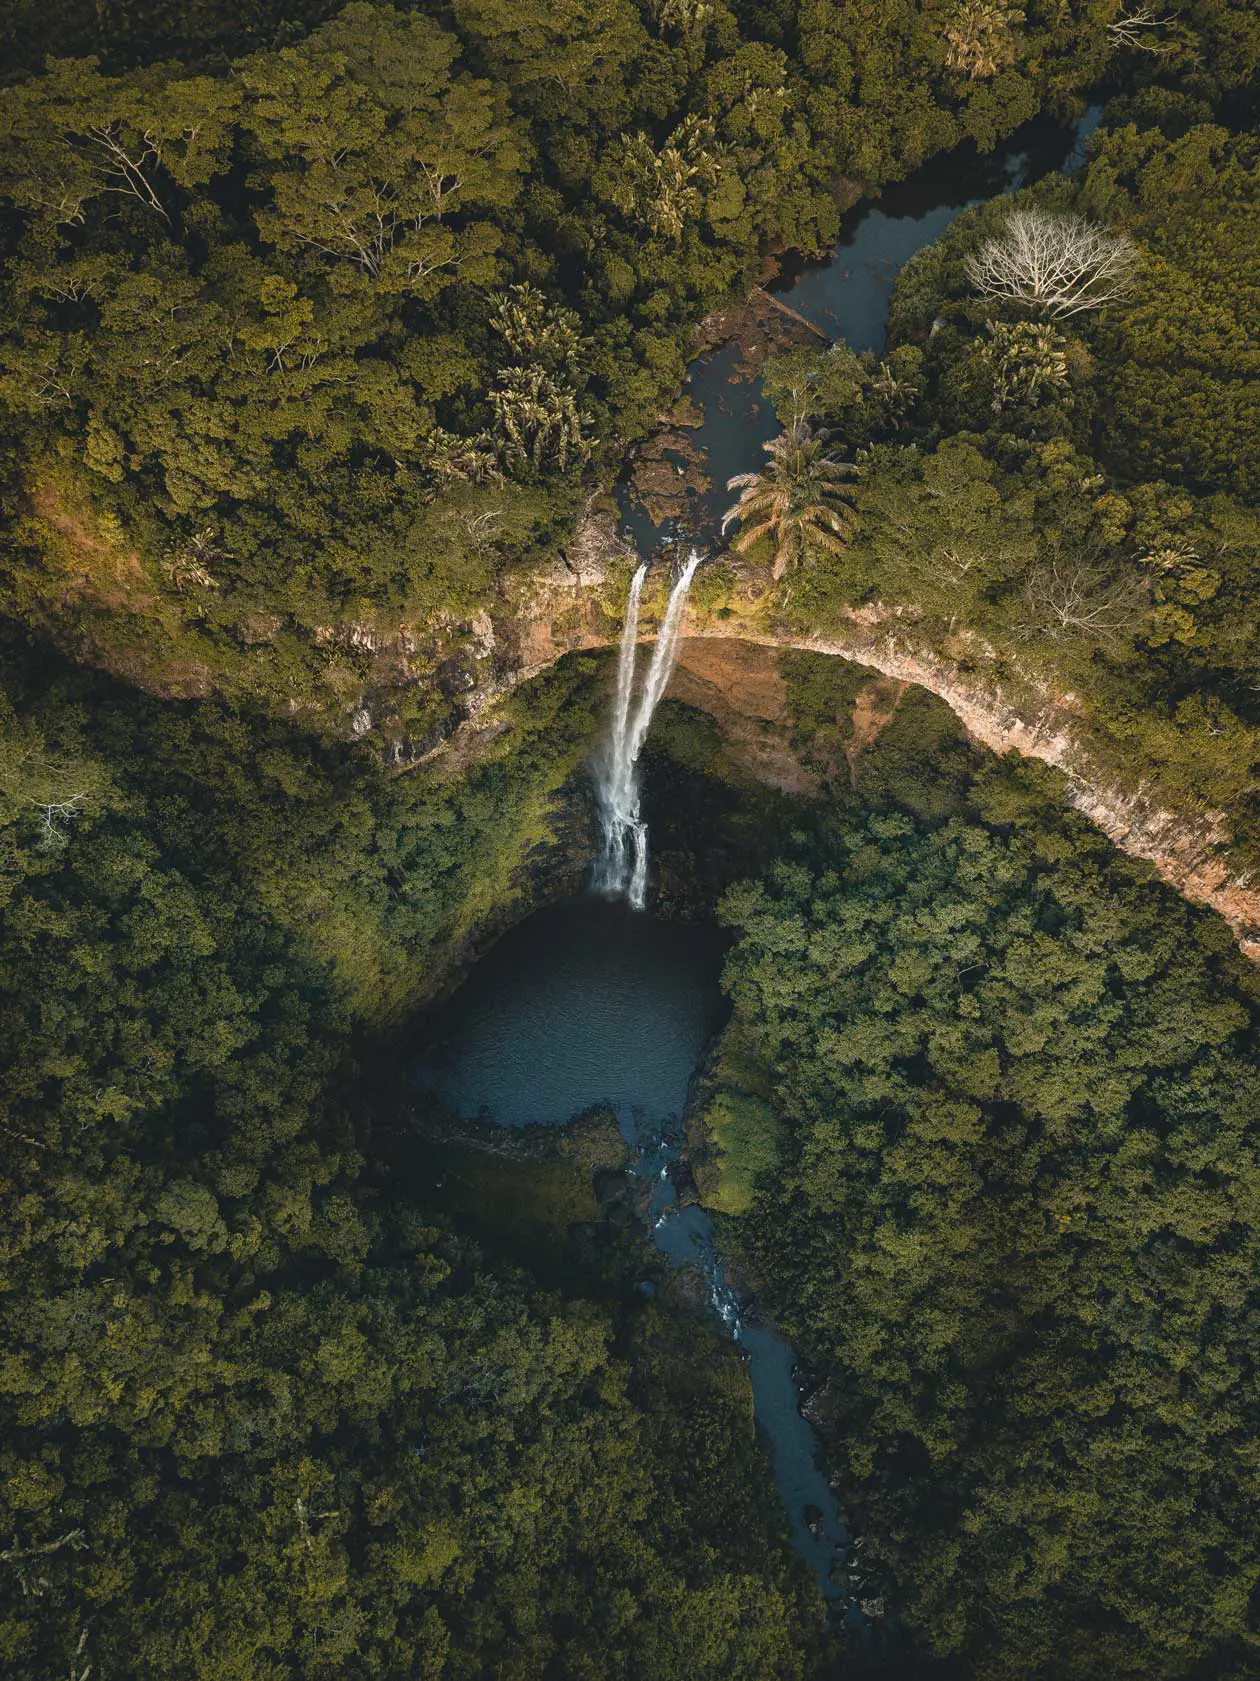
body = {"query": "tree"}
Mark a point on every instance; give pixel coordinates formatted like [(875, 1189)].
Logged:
[(1181, 585), (538, 418), (1027, 359), (1178, 364), (1055, 265), (538, 421), (664, 190), (52, 779), (75, 137), (1076, 594), (855, 395), (980, 38), (567, 56), (801, 500), (378, 151)]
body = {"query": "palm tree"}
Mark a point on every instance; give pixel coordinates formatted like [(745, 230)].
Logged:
[(800, 499), (980, 39)]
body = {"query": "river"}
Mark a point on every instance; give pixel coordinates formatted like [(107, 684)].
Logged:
[(590, 1003), (845, 295)]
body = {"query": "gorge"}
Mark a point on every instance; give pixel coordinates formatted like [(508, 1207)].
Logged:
[(578, 1008), (597, 1086)]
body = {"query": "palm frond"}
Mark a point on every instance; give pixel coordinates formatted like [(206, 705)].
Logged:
[(802, 497), (753, 533)]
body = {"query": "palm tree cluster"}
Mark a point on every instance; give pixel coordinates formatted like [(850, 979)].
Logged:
[(538, 422), (980, 39), (665, 190), (1028, 360), (688, 18), (538, 418), (802, 500), (538, 332), (193, 560), (452, 459)]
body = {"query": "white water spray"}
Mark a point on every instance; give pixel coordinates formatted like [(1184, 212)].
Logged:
[(616, 774), (623, 866)]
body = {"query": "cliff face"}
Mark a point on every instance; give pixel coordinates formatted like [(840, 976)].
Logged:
[(566, 610), (1191, 854), (413, 691)]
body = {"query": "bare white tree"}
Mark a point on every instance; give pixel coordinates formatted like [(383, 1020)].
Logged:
[(1140, 30), (124, 166), (50, 387), (55, 818), (79, 1670), (1054, 264), (24, 1561), (1075, 595)]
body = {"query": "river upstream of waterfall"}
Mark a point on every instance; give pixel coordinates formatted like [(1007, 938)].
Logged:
[(596, 1001)]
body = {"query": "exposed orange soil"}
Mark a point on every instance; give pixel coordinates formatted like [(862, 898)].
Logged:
[(111, 576), (874, 708)]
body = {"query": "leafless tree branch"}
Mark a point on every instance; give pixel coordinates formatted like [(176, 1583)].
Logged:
[(1139, 30), (1074, 595), (1054, 264)]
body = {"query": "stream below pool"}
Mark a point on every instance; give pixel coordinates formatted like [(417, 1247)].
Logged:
[(591, 1003)]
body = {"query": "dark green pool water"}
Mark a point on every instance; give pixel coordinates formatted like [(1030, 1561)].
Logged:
[(584, 1003)]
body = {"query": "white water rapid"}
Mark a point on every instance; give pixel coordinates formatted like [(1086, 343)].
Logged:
[(622, 866)]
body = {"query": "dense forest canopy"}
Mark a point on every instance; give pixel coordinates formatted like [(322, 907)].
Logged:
[(1009, 1091), (266, 363), (319, 321)]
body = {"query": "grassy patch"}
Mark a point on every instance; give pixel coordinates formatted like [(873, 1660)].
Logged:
[(740, 1128), (745, 1135)]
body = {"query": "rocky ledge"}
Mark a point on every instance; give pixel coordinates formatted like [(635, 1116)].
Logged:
[(566, 609)]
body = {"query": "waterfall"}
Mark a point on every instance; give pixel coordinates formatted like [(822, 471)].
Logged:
[(616, 776), (622, 866)]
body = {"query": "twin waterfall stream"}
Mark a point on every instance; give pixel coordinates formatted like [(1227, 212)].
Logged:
[(622, 866)]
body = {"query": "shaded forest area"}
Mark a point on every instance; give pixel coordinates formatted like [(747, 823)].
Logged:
[(268, 1410)]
